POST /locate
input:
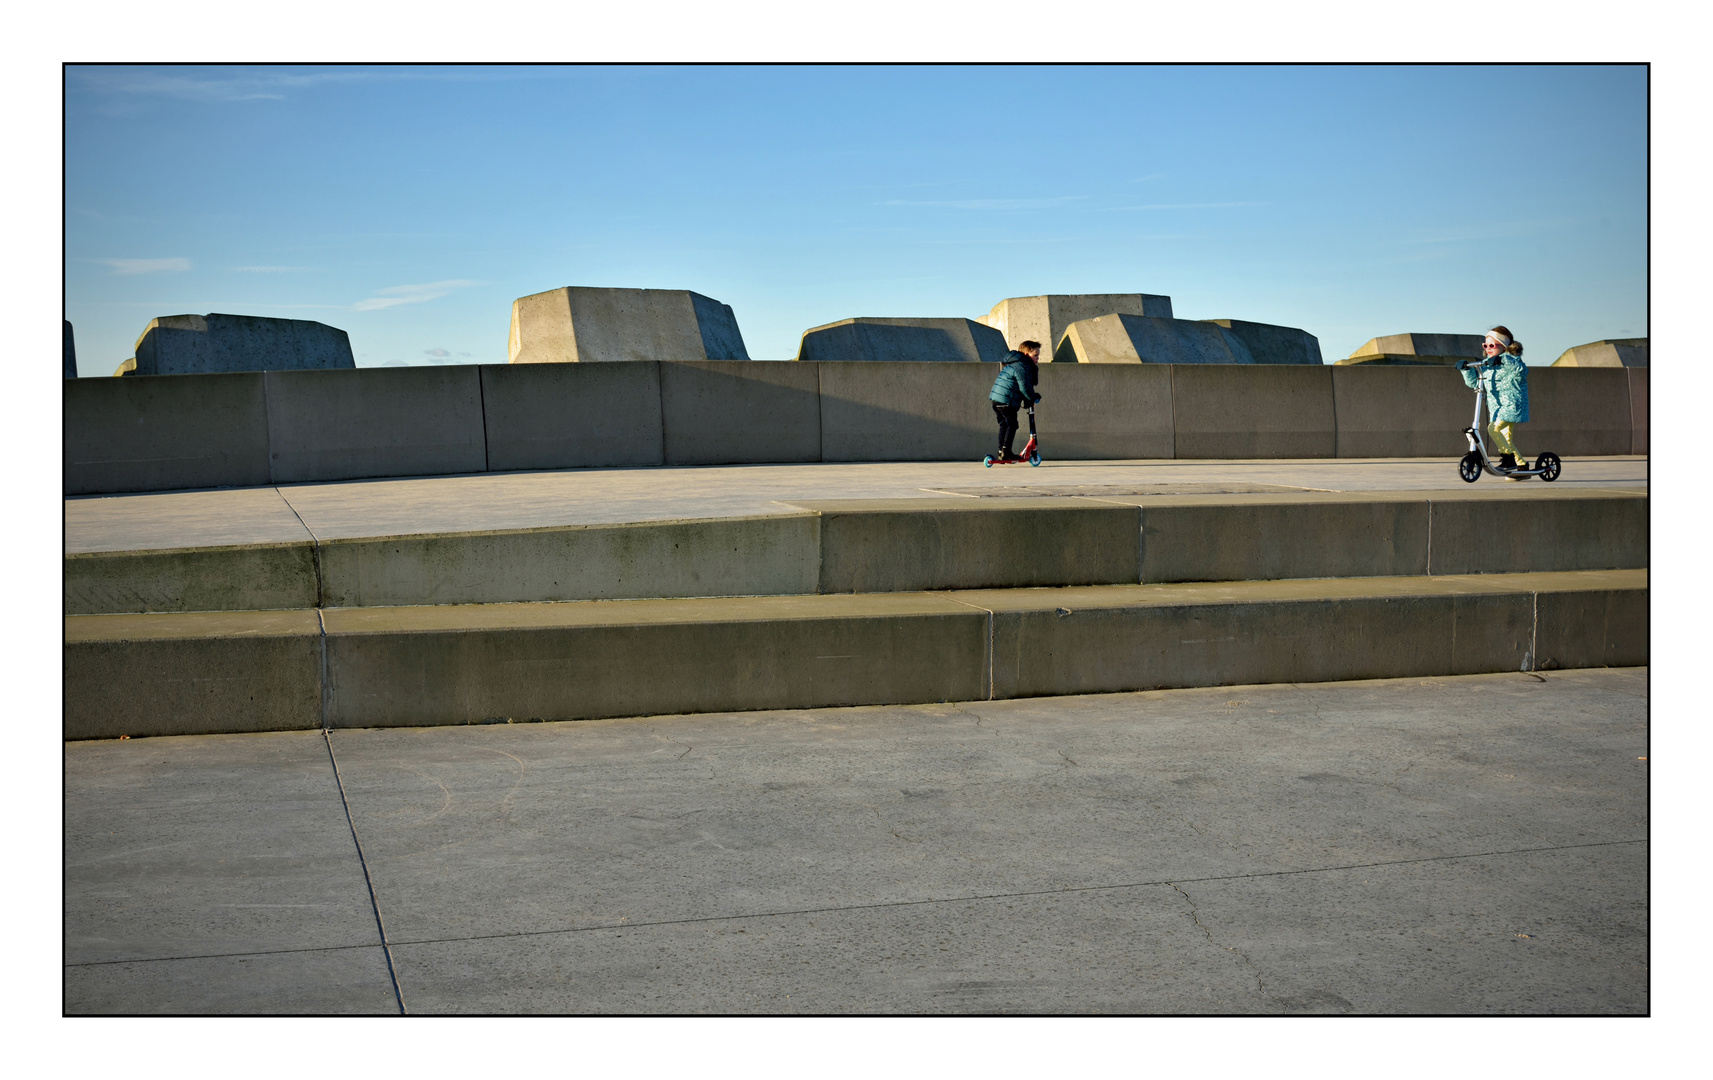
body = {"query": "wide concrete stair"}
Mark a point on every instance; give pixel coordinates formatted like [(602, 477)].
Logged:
[(845, 603)]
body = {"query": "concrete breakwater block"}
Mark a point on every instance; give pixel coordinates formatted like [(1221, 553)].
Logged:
[(578, 325), (470, 664), (1045, 318), (1618, 352), (1269, 344), (1137, 339), (1435, 349), (214, 343), (919, 340)]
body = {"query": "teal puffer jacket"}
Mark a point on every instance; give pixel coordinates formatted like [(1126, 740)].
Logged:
[(1016, 382), (1507, 388)]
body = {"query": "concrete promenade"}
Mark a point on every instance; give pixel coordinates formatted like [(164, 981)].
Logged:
[(1471, 844), (491, 501)]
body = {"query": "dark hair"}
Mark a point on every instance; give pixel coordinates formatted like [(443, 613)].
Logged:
[(1036, 345), (1515, 348)]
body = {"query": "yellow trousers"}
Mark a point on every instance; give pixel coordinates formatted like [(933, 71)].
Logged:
[(1502, 443)]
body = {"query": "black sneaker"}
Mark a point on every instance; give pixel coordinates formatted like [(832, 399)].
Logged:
[(1506, 461)]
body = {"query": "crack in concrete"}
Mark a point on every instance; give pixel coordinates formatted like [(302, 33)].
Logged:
[(887, 826), (1193, 827), (667, 738), (1195, 914)]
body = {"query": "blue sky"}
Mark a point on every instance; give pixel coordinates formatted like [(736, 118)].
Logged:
[(410, 206)]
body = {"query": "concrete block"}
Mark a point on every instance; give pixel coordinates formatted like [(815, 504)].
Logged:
[(229, 578), (738, 413), (588, 325), (1616, 352), (457, 665), (1103, 411), (1577, 411), (1252, 411), (895, 545), (191, 674), (1638, 410), (1117, 638), (915, 340), (1232, 538), (1045, 318), (214, 343), (565, 416), (162, 434), (1573, 531), (906, 412), (1269, 344), (341, 425), (70, 352), (1437, 349), (1385, 411), (1135, 339), (1592, 624), (716, 557)]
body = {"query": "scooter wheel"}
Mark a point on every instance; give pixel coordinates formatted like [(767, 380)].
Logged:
[(1549, 466), (988, 461), (1034, 459), (1470, 467)]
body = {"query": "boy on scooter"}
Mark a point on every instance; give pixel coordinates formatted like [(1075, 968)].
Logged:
[(1014, 387)]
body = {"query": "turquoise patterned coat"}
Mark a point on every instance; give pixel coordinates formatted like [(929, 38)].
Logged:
[(1507, 388)]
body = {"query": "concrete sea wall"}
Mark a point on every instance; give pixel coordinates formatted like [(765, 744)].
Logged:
[(158, 433)]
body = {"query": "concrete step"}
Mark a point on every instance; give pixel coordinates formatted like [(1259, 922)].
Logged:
[(897, 545), (159, 674)]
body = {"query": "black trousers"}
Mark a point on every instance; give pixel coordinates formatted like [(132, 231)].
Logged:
[(1007, 415)]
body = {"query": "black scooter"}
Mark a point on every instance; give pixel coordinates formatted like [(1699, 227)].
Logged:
[(1478, 460)]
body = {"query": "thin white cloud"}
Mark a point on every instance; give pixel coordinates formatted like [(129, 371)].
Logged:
[(143, 266), (1186, 206), (395, 295), (990, 204), (272, 82), (268, 269)]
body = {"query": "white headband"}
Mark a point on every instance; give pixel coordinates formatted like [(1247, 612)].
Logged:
[(1494, 335)]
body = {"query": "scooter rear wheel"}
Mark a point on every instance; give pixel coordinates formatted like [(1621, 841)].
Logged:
[(988, 461), (1470, 467), (1549, 465)]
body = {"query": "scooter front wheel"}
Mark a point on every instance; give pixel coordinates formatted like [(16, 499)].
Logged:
[(1549, 466), (1034, 459), (1470, 467)]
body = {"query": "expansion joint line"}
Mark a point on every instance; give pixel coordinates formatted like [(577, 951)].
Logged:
[(988, 673), (315, 548), (1534, 660), (368, 882), (1430, 538)]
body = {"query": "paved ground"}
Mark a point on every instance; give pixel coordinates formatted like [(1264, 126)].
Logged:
[(1465, 845), (602, 496)]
